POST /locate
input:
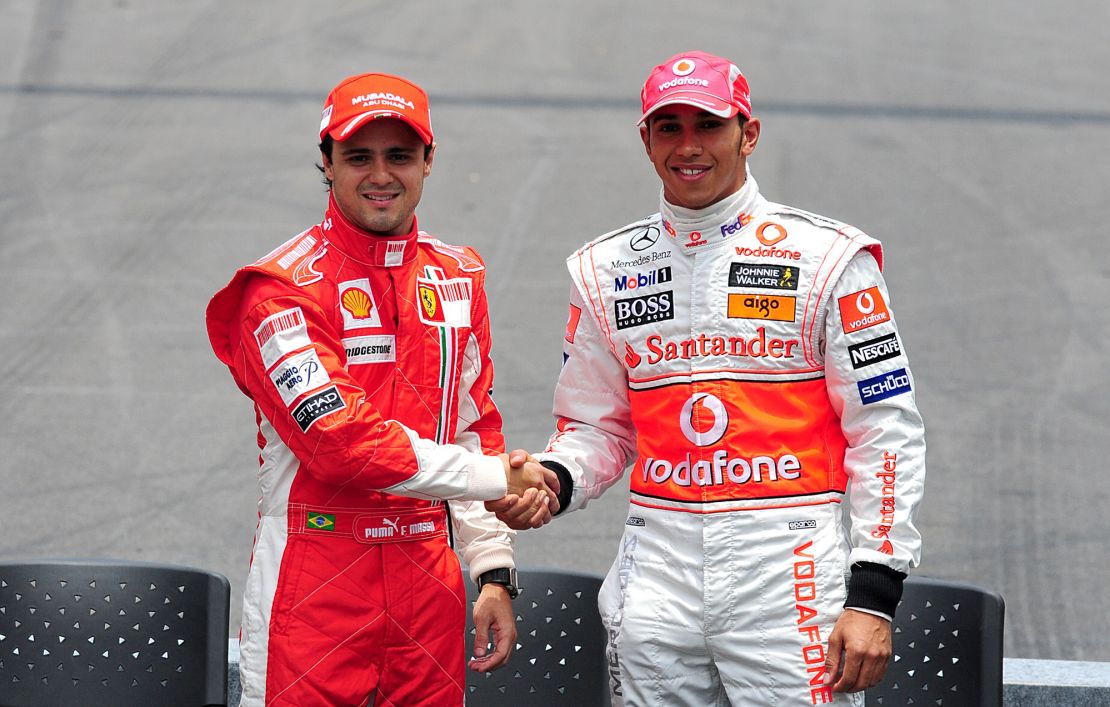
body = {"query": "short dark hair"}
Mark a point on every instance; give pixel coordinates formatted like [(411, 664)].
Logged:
[(326, 146)]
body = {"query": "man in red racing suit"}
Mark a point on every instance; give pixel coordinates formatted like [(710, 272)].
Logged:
[(744, 355), (365, 346)]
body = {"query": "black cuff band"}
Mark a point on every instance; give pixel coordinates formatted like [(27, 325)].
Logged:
[(874, 587), (566, 485)]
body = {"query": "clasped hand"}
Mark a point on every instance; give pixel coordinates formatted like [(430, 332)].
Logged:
[(532, 497)]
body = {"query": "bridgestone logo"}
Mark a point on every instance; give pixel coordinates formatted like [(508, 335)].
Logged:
[(370, 349), (875, 350)]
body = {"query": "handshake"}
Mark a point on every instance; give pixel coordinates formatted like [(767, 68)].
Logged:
[(532, 499)]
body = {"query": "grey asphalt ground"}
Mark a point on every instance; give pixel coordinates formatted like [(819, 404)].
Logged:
[(151, 147)]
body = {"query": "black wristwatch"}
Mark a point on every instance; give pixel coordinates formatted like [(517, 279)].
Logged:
[(505, 576)]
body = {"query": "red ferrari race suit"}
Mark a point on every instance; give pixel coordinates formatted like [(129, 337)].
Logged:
[(368, 361), (745, 356)]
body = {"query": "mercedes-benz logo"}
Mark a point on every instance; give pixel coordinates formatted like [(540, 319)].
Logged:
[(644, 238)]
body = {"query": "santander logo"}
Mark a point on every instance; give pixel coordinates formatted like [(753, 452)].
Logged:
[(701, 406)]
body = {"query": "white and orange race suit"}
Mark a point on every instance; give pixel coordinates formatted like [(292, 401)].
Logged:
[(745, 357), (368, 362)]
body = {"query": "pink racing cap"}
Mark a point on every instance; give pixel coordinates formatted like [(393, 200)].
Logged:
[(358, 99), (697, 79)]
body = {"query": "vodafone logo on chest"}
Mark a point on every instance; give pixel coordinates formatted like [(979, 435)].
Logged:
[(709, 414)]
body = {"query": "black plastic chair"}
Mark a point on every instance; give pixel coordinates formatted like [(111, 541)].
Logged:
[(947, 647), (112, 632), (560, 652)]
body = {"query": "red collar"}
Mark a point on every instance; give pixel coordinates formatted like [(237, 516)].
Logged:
[(365, 247)]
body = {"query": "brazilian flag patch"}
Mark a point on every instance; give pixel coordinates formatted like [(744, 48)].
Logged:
[(320, 521)]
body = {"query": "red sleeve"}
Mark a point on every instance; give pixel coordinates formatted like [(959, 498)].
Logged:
[(287, 356), (478, 414)]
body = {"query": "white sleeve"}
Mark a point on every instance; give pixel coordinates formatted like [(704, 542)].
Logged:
[(595, 439), (483, 542), (872, 389)]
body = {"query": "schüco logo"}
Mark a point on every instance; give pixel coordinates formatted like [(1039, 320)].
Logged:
[(883, 386)]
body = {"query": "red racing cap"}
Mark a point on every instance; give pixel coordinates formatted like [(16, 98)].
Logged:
[(358, 99), (697, 79)]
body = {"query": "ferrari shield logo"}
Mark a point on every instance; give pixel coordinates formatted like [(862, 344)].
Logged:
[(429, 301), (444, 302)]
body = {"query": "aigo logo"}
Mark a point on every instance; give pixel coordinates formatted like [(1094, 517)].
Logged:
[(697, 407)]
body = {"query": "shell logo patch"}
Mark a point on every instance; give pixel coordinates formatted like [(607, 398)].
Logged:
[(356, 301)]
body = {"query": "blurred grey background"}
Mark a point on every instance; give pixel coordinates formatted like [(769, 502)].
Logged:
[(151, 147)]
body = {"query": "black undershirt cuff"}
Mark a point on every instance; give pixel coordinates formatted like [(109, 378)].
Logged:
[(566, 484), (874, 587)]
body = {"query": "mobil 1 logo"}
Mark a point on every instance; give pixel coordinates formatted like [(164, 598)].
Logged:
[(875, 350), (637, 311)]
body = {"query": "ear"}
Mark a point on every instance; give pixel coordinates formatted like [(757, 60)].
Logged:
[(646, 137), (750, 136), (428, 161), (329, 172)]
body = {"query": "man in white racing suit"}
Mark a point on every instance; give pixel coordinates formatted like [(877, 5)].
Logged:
[(744, 355)]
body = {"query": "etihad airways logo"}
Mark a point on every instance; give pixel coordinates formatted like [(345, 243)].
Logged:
[(316, 406)]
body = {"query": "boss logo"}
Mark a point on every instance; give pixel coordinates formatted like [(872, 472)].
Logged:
[(637, 311)]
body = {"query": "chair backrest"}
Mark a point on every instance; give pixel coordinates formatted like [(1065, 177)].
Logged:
[(111, 632), (947, 647), (560, 652)]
